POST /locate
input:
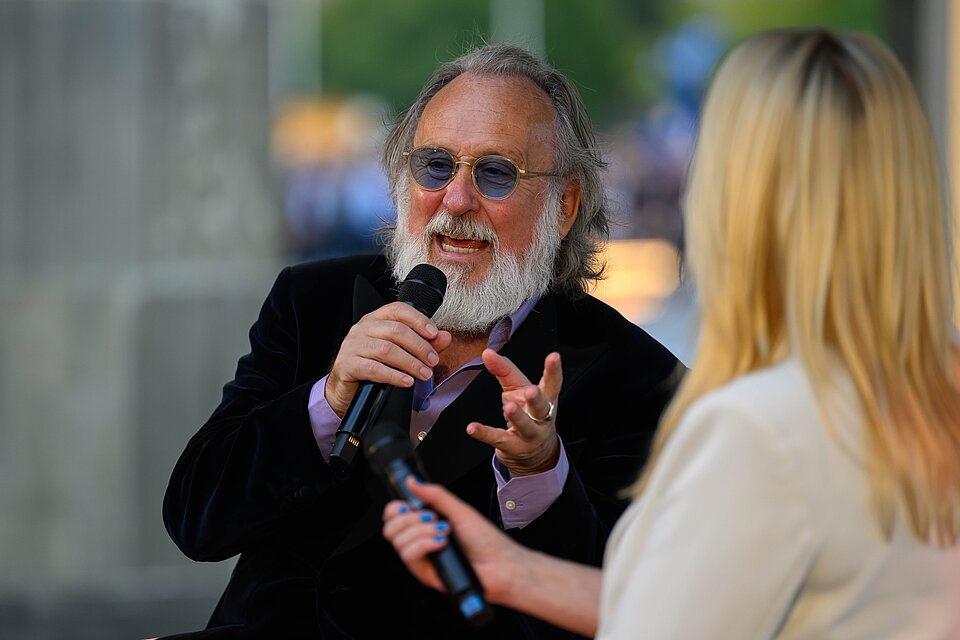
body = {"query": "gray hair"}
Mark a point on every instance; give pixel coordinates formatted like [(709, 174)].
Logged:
[(579, 261)]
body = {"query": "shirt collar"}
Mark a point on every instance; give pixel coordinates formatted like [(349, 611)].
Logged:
[(506, 327), (502, 332)]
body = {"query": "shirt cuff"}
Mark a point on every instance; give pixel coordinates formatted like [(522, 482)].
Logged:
[(523, 499), (323, 420)]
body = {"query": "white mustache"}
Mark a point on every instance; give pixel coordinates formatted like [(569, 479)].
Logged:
[(446, 224)]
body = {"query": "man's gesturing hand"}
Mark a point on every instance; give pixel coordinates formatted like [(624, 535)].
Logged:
[(394, 344), (529, 445)]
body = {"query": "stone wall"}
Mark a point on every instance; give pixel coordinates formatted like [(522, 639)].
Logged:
[(139, 232)]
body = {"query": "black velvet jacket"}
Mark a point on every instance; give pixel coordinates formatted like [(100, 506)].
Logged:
[(313, 563)]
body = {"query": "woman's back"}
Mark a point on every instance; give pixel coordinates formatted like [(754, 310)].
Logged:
[(756, 523)]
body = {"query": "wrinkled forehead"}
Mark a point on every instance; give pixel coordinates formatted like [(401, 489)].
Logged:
[(481, 114)]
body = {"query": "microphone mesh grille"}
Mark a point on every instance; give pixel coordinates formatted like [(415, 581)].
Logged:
[(423, 288)]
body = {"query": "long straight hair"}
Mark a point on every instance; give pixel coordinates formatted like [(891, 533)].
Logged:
[(816, 231)]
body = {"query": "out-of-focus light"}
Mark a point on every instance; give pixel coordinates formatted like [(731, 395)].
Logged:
[(311, 130), (641, 274)]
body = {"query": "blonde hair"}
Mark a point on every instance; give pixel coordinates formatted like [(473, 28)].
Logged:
[(816, 230)]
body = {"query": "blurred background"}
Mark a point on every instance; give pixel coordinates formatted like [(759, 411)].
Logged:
[(161, 160)]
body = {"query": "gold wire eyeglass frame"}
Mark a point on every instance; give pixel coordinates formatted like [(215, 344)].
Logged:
[(522, 173)]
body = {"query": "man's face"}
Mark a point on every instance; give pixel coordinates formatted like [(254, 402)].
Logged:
[(495, 253), (474, 116)]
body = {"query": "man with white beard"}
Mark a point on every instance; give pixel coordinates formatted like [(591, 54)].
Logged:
[(496, 176)]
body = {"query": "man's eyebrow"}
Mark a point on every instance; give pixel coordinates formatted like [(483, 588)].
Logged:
[(516, 156)]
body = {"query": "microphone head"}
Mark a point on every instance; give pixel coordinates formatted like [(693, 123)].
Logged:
[(384, 442), (423, 289)]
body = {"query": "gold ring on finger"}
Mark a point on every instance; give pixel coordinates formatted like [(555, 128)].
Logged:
[(545, 419)]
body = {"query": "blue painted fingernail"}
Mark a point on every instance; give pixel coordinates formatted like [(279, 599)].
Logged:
[(404, 508), (417, 479), (439, 538), (442, 526), (427, 517)]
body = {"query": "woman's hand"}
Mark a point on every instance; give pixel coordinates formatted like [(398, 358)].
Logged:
[(416, 534)]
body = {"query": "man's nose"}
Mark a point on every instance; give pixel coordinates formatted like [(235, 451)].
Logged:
[(460, 195)]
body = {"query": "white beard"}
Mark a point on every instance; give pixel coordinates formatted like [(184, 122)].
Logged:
[(512, 279)]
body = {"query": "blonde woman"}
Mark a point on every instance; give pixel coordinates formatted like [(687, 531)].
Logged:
[(805, 482)]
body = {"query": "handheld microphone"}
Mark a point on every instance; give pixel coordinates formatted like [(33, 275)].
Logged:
[(422, 289), (392, 457)]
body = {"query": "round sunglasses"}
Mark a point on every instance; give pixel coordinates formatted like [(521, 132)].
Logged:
[(495, 177)]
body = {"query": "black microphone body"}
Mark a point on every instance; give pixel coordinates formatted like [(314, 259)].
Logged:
[(422, 289), (393, 458)]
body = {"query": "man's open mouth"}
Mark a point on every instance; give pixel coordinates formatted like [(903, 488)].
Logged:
[(453, 244)]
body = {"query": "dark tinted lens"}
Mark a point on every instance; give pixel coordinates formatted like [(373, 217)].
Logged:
[(496, 177), (431, 168)]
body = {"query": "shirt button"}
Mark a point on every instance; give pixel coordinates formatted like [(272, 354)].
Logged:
[(421, 436), (510, 505)]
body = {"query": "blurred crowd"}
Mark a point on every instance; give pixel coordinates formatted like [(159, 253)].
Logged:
[(333, 209)]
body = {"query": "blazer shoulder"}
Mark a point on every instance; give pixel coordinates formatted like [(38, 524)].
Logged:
[(591, 319), (335, 277), (371, 266)]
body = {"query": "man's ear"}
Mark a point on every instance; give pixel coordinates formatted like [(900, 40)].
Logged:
[(569, 205)]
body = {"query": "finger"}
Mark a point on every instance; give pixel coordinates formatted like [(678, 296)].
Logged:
[(552, 380), (402, 312), (506, 372), (390, 355), (395, 508), (536, 403), (377, 334), (413, 541), (402, 519), (521, 423), (417, 548), (409, 540), (359, 369), (441, 341), (487, 435)]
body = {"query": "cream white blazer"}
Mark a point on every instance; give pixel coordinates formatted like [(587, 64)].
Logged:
[(756, 524)]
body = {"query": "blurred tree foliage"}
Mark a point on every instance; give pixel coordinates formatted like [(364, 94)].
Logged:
[(744, 17), (391, 48)]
